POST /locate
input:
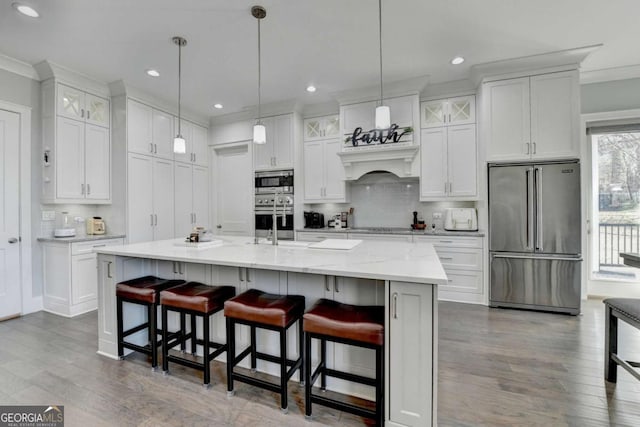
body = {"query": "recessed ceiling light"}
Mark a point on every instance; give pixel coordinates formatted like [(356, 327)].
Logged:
[(218, 106), (311, 88), (153, 73), (457, 60), (26, 10)]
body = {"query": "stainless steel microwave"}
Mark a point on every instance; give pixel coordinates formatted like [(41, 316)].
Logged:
[(272, 181)]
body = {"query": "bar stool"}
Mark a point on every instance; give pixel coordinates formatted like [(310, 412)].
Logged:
[(258, 309), (196, 300), (142, 291), (361, 326)]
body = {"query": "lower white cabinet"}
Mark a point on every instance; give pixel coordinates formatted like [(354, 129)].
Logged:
[(70, 277), (383, 237), (412, 345)]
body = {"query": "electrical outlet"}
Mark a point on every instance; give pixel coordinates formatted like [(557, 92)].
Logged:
[(48, 215), (436, 215)]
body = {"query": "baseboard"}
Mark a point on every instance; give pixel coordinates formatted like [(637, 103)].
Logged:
[(32, 305)]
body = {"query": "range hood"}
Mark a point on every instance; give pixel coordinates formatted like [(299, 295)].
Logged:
[(397, 159)]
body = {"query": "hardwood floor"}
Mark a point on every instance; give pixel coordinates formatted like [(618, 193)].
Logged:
[(496, 367)]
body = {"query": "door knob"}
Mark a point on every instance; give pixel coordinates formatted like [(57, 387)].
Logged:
[(13, 240)]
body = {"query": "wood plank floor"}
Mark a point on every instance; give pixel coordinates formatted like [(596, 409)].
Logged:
[(496, 367)]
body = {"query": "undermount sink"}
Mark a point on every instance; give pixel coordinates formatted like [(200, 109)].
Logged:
[(285, 243)]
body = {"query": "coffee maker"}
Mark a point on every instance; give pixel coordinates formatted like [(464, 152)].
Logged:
[(313, 219), (338, 220)]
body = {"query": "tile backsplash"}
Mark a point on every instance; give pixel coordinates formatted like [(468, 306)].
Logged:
[(74, 211), (384, 200)]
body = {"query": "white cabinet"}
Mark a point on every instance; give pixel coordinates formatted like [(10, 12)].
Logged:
[(196, 143), (277, 153), (462, 260), (76, 166), (404, 113), (448, 163), (191, 198), (323, 172), (139, 128), (531, 118), (162, 134), (411, 325), (448, 112), (150, 199), (70, 278), (318, 128), (384, 237), (80, 105)]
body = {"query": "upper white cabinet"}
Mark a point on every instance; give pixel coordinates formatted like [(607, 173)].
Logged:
[(277, 153), (162, 134), (531, 118), (196, 142), (449, 163), (318, 128), (323, 172), (191, 198), (139, 128), (448, 112), (404, 113), (76, 152)]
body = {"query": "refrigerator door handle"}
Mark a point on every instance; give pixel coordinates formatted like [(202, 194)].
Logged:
[(546, 258), (529, 223), (537, 178)]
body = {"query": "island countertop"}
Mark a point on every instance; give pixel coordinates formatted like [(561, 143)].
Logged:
[(381, 260)]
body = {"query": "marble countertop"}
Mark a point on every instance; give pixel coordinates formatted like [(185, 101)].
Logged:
[(402, 261), (631, 259), (77, 239), (392, 230)]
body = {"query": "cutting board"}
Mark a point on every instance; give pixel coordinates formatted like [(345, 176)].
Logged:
[(340, 244)]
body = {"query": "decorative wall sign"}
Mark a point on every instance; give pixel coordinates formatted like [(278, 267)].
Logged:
[(393, 134)]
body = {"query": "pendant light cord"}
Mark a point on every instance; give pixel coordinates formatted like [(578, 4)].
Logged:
[(259, 73), (179, 87), (380, 40)]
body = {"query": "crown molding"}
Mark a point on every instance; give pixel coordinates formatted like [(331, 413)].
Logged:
[(49, 70), (610, 74), (412, 86), (558, 59), (18, 67), (251, 112)]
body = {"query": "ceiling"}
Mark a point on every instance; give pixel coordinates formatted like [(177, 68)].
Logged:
[(332, 44)]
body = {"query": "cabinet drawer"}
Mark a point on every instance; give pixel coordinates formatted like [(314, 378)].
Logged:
[(87, 247), (459, 258), (451, 241), (319, 237), (463, 281)]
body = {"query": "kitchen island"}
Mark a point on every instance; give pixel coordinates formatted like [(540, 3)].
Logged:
[(401, 276)]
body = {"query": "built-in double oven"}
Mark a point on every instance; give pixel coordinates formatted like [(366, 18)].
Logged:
[(274, 187)]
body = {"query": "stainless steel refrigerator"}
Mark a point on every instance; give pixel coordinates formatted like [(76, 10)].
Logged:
[(535, 236)]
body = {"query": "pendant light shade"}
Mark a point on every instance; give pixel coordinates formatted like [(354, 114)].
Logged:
[(259, 131), (259, 134), (179, 143), (383, 112)]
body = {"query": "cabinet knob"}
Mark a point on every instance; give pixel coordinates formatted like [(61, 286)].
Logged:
[(13, 240)]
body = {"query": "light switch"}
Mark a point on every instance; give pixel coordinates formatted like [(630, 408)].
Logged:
[(48, 215)]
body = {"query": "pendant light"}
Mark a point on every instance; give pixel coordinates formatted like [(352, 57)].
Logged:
[(259, 131), (179, 143), (383, 113)]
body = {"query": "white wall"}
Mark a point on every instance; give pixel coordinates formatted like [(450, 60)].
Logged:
[(610, 96)]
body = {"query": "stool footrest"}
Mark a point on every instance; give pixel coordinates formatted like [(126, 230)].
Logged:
[(350, 377), (135, 329), (627, 365), (342, 406), (146, 349), (317, 373), (256, 382)]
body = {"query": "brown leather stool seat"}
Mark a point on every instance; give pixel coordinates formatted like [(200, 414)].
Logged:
[(360, 326), (196, 300), (258, 309), (351, 322), (143, 291), (268, 309)]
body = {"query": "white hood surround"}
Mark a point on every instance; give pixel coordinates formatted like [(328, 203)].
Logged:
[(399, 159)]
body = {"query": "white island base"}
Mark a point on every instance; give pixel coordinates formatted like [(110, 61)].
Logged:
[(401, 276)]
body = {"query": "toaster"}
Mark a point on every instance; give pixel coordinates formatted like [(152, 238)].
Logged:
[(313, 220), (96, 225), (460, 219)]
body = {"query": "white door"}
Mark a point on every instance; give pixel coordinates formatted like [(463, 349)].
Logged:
[(163, 134), (233, 181), (461, 147), (10, 286), (140, 198), (461, 110), (70, 162), (186, 130), (97, 110), (201, 196), (183, 200), (433, 113), (139, 128), (283, 148), (313, 171), (433, 158), (508, 120), (70, 102), (84, 278), (334, 185), (97, 162), (163, 221)]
